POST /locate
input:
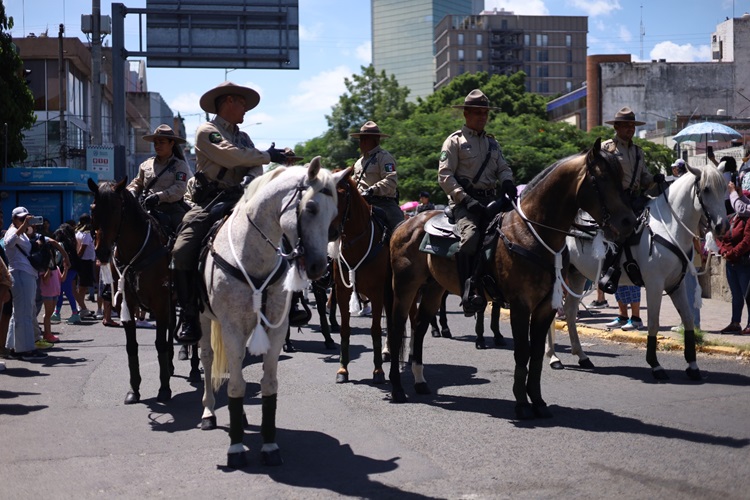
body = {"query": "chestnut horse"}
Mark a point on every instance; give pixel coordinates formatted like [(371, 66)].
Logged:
[(361, 264), (126, 233), (527, 266)]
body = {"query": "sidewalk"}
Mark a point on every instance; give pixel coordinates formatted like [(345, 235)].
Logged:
[(715, 315)]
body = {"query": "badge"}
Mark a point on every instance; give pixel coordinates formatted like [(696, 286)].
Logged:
[(215, 138), (443, 155), (180, 176), (390, 167)]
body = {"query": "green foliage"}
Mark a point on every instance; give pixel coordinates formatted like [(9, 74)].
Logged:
[(17, 109)]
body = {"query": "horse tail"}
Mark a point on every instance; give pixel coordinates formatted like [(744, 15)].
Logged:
[(219, 366), (388, 306)]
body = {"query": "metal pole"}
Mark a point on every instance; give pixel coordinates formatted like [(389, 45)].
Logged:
[(96, 70), (119, 58), (62, 99), (5, 151)]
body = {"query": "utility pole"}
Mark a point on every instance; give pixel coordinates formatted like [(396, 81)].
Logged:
[(62, 99), (96, 71)]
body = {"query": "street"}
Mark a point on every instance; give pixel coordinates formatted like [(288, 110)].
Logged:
[(616, 433)]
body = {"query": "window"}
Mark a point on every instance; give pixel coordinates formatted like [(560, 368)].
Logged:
[(479, 54), (542, 87), (541, 55), (569, 71), (569, 56), (527, 39), (569, 86), (568, 40), (460, 38), (542, 71), (479, 39), (460, 54), (527, 55), (541, 40)]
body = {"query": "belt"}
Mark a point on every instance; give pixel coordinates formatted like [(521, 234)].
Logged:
[(483, 192), (384, 198)]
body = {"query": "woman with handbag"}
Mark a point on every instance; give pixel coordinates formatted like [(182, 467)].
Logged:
[(734, 247)]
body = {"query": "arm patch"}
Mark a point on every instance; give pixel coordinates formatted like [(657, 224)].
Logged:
[(180, 176), (443, 155), (389, 167), (215, 138)]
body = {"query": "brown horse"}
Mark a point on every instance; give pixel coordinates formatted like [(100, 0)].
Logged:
[(361, 263), (523, 266), (125, 232)]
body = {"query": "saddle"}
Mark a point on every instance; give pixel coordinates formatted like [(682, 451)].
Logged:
[(611, 271)]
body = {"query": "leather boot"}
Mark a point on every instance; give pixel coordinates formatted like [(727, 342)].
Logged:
[(186, 286), (472, 298)]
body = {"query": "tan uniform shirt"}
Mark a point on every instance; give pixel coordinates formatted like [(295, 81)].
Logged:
[(169, 186), (462, 156), (628, 155), (380, 175), (226, 154)]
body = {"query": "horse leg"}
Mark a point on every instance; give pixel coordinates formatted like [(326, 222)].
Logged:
[(434, 327), (320, 304), (540, 324), (131, 346), (269, 385), (342, 296), (681, 302), (428, 307), (554, 361), (208, 419), (235, 353), (495, 325), (519, 323), (479, 329), (164, 355), (376, 332), (576, 282), (445, 332), (653, 301), (288, 345), (183, 354), (332, 312), (195, 373)]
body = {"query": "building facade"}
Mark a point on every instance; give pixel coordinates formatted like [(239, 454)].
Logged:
[(551, 50), (402, 39)]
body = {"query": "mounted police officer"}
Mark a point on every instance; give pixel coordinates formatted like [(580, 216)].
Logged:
[(375, 174), (162, 179), (226, 159), (471, 167)]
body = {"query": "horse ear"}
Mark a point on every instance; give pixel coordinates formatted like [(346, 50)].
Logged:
[(313, 169), (121, 185), (595, 151), (92, 186), (342, 175)]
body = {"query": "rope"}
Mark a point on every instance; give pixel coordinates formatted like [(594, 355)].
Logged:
[(354, 302), (124, 310)]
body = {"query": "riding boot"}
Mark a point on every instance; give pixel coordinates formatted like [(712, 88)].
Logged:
[(472, 298), (611, 272), (186, 286)]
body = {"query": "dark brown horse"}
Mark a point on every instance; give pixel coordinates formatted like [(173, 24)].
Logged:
[(127, 234), (361, 262), (523, 266)]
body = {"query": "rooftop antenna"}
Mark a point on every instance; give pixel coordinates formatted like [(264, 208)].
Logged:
[(643, 32)]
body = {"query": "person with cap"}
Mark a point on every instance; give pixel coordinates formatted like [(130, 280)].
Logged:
[(162, 179), (375, 173), (226, 159), (424, 202), (470, 169), (678, 168)]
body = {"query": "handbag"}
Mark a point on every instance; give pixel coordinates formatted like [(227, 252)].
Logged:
[(40, 256)]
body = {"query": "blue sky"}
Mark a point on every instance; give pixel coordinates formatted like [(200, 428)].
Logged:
[(335, 43)]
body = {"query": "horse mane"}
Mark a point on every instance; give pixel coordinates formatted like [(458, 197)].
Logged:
[(714, 179), (324, 177), (538, 178), (108, 188)]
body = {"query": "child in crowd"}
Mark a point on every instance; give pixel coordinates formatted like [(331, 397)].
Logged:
[(49, 284)]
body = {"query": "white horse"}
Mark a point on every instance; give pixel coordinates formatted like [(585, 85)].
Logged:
[(280, 226), (662, 254)]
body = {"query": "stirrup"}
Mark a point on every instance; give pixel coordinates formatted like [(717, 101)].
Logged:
[(610, 279)]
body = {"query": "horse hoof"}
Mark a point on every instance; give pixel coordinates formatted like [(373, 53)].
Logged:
[(540, 410), (182, 355), (480, 344), (398, 396), (524, 412), (586, 363), (386, 357), (694, 374), (557, 365), (132, 397), (289, 347), (237, 460), (194, 377), (660, 374), (435, 332), (330, 344), (378, 378), (421, 388), (272, 458), (164, 395), (446, 333), (208, 423), (500, 341), (342, 378)]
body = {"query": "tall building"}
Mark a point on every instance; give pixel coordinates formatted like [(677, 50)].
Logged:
[(402, 38), (551, 50)]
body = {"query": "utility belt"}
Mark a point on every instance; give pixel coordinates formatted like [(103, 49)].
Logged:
[(383, 198), (481, 193), (204, 190)]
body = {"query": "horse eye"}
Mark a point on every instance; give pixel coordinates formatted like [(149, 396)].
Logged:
[(312, 207)]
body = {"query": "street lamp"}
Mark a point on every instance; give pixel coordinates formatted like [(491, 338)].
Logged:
[(252, 124)]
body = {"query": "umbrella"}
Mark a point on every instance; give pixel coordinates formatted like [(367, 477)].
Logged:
[(409, 205), (702, 132)]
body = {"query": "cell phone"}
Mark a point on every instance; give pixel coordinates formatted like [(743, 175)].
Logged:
[(36, 220), (710, 150)]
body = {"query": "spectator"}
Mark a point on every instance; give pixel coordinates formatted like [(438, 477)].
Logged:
[(5, 285), (735, 248), (628, 295), (729, 166), (424, 202), (87, 258), (66, 236), (49, 284)]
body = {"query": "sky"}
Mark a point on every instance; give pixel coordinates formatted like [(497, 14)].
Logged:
[(335, 42)]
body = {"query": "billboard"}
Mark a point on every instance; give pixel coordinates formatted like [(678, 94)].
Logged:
[(252, 34)]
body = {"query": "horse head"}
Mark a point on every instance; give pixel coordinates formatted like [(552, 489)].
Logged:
[(106, 215), (710, 193), (600, 193)]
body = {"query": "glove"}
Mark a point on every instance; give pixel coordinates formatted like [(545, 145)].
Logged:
[(659, 178), (277, 155), (509, 189), (473, 206), (151, 201), (367, 194)]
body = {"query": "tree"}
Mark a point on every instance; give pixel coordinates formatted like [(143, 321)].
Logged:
[(17, 110)]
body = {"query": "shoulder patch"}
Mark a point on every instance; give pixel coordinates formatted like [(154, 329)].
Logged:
[(443, 155), (215, 138), (389, 167), (180, 176)]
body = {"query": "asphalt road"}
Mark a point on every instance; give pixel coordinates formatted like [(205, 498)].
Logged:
[(615, 433)]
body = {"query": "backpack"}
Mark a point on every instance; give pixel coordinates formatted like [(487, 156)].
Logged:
[(41, 254)]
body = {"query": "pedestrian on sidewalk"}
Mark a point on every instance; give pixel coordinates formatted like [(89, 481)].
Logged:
[(734, 247)]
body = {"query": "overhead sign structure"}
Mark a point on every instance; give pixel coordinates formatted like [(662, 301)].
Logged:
[(101, 159), (253, 34)]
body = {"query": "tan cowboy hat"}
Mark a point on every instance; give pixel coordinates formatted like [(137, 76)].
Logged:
[(208, 100), (475, 99), (291, 157), (625, 115), (166, 132), (369, 128)]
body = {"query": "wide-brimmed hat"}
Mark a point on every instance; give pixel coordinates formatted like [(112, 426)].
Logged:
[(165, 132), (369, 128), (20, 212), (475, 99), (208, 100), (625, 115), (291, 156)]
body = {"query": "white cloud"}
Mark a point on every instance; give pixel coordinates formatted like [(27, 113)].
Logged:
[(624, 33), (310, 34), (594, 8), (364, 52), (186, 103), (519, 7), (319, 93), (680, 53)]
